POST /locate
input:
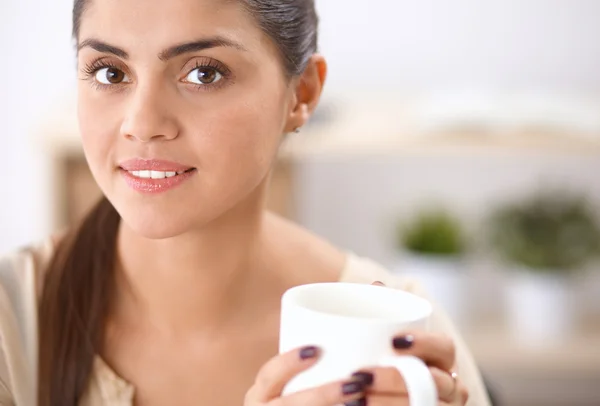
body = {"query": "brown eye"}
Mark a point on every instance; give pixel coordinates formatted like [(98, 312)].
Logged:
[(111, 76), (204, 75)]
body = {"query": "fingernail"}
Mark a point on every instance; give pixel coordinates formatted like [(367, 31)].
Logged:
[(352, 388), (403, 343), (357, 402), (308, 352), (365, 377)]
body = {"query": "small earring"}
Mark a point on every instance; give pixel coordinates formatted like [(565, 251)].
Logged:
[(297, 130)]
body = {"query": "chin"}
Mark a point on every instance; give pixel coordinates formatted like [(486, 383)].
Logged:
[(154, 228), (172, 214), (155, 223)]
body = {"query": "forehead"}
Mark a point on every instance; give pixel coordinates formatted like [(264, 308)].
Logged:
[(150, 25)]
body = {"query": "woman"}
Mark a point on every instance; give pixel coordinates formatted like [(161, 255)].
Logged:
[(168, 293)]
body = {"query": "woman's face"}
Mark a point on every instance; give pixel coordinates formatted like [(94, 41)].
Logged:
[(182, 106)]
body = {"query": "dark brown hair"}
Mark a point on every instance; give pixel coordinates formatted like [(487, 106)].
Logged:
[(79, 280)]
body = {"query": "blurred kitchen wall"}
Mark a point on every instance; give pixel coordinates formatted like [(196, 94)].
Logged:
[(38, 69), (410, 46)]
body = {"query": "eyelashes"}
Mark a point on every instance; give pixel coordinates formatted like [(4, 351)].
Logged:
[(209, 73), (104, 74), (91, 68)]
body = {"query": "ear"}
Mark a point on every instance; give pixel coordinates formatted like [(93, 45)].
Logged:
[(307, 92)]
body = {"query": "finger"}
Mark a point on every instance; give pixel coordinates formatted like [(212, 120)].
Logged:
[(457, 402), (385, 400), (381, 400), (383, 381), (388, 381), (446, 386), (279, 370), (336, 393), (462, 393), (434, 349)]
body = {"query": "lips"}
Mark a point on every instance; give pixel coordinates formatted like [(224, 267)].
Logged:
[(154, 176), (157, 165)]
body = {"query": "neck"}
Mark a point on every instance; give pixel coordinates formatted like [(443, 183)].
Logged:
[(198, 281)]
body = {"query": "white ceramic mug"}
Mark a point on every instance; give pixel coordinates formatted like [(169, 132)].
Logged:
[(353, 325)]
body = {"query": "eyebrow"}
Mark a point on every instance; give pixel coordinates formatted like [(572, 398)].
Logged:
[(102, 47), (169, 53)]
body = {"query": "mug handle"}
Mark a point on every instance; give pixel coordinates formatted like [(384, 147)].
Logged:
[(417, 377)]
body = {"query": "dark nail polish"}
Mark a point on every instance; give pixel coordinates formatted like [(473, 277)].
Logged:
[(352, 388), (403, 343), (308, 353), (357, 402), (365, 377)]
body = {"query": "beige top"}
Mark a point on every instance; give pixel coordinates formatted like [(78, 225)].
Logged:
[(19, 287)]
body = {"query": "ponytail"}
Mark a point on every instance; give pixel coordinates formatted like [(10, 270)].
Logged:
[(74, 307)]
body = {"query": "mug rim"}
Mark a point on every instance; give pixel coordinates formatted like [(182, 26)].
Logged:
[(290, 298)]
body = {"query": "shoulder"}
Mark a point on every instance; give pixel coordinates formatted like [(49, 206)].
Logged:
[(24, 268), (305, 256), (365, 270), (21, 273), (20, 278), (360, 269)]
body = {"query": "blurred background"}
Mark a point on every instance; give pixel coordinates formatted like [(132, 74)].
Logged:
[(457, 142)]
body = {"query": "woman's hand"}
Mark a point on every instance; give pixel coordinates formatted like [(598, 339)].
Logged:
[(385, 386), (371, 386), (277, 372)]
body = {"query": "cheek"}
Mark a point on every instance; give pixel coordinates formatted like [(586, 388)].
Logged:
[(243, 136), (97, 129)]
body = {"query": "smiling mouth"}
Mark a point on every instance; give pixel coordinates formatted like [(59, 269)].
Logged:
[(150, 174)]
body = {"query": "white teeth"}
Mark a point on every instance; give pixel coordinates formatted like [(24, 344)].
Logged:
[(153, 174)]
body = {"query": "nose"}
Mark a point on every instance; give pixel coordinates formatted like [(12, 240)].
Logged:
[(148, 116)]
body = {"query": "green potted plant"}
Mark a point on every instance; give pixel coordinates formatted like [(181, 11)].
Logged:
[(433, 232), (433, 243), (544, 239)]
